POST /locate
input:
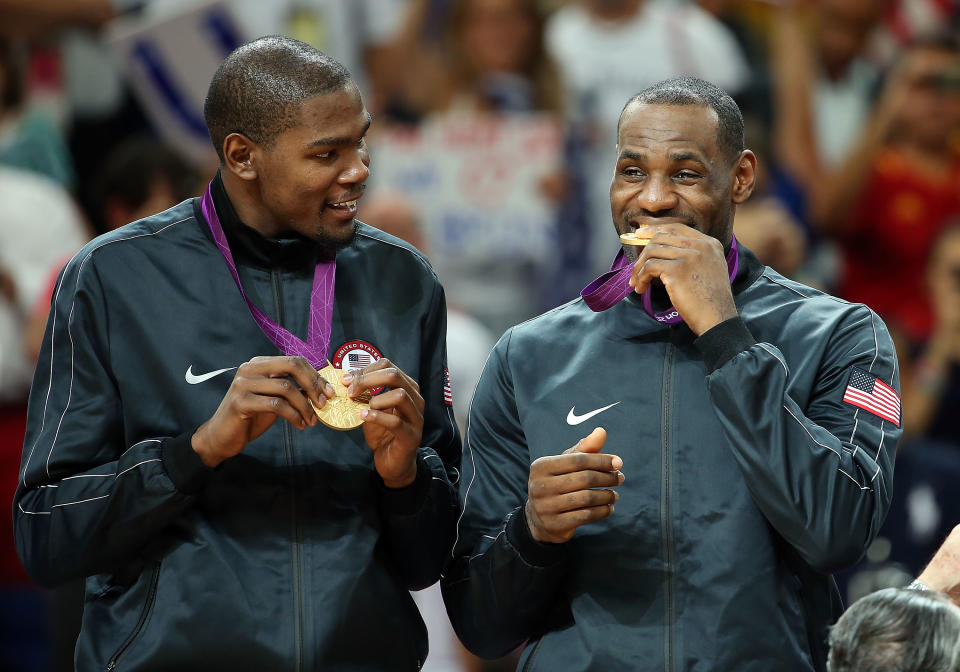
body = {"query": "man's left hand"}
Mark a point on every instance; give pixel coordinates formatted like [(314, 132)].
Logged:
[(692, 267), (393, 426)]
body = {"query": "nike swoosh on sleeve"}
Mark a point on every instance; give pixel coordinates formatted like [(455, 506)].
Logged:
[(194, 379), (574, 419)]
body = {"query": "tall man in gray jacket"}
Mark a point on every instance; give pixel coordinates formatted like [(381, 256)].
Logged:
[(749, 425), (175, 454)]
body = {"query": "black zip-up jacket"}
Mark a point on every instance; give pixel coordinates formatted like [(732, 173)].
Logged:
[(748, 480), (292, 555)]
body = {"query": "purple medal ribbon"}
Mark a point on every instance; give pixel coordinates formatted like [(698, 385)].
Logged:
[(614, 285), (321, 299)]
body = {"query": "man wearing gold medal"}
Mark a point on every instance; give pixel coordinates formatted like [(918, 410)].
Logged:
[(744, 428), (240, 429)]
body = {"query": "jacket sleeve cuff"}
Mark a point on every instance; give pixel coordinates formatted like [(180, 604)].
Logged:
[(723, 342), (409, 500), (185, 468), (533, 552)]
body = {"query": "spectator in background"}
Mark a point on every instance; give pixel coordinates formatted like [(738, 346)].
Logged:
[(490, 57), (607, 50), (931, 388), (140, 177), (897, 630), (765, 223), (899, 187), (487, 104), (29, 137)]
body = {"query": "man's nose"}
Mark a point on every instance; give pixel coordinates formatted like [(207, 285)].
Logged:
[(358, 169), (657, 194)]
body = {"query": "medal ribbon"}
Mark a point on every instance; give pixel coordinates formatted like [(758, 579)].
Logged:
[(614, 285), (314, 350)]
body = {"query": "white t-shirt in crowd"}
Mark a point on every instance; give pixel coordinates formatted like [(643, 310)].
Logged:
[(40, 227)]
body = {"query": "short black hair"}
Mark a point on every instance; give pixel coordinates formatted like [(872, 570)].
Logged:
[(694, 91), (258, 88)]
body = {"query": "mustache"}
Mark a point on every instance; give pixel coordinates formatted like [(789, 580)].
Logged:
[(633, 216)]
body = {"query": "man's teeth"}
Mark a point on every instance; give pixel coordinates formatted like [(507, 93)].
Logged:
[(345, 204)]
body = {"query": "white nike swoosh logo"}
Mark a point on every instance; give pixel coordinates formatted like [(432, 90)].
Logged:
[(193, 379), (574, 419)]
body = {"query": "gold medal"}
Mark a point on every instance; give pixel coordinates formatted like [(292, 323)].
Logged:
[(634, 238), (341, 412)]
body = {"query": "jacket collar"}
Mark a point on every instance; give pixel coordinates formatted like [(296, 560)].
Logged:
[(248, 245)]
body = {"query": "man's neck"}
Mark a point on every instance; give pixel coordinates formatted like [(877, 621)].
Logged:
[(245, 198)]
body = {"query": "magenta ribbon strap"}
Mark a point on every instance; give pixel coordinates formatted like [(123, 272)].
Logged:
[(614, 285), (317, 345)]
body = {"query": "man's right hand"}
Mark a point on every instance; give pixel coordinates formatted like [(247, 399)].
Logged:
[(561, 494), (262, 390)]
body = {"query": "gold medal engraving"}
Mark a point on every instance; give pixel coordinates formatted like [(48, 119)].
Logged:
[(341, 412)]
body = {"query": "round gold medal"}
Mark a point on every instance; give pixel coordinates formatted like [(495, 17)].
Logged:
[(341, 412), (633, 238)]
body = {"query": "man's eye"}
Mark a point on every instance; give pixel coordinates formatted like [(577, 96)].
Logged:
[(324, 155), (632, 172), (687, 175)]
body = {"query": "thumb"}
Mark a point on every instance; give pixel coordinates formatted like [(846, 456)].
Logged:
[(592, 443)]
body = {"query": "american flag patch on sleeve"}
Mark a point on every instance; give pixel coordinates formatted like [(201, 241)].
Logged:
[(866, 391), (447, 390)]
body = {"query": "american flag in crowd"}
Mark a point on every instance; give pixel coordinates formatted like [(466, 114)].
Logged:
[(358, 360), (869, 393), (447, 390)]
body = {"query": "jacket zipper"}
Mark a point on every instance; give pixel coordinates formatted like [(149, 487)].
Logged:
[(147, 608), (297, 561), (666, 520)]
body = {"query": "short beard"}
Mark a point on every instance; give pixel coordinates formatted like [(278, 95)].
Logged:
[(332, 245)]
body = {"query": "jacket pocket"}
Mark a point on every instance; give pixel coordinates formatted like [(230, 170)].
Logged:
[(144, 615)]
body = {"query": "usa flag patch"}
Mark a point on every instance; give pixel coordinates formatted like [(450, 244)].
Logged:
[(866, 391), (447, 390)]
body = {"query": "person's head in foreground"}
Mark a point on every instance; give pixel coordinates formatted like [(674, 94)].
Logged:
[(289, 126), (681, 159), (897, 630)]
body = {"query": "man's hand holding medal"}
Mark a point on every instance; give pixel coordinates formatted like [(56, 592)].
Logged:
[(288, 387)]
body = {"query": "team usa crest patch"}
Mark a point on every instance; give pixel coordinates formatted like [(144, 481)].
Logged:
[(447, 390), (356, 354), (866, 391)]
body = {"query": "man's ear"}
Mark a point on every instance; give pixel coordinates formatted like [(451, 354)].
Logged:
[(239, 156), (744, 177)]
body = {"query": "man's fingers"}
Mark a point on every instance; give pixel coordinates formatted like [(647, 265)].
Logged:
[(591, 443), (398, 399), (382, 373), (562, 526), (390, 422), (555, 465), (579, 480), (580, 499), (282, 388), (297, 368), (255, 404)]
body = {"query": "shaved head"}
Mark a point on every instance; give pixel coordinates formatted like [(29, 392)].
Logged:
[(258, 89)]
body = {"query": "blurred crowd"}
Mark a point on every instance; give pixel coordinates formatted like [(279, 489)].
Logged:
[(494, 130)]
